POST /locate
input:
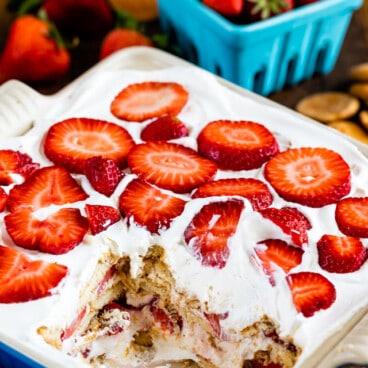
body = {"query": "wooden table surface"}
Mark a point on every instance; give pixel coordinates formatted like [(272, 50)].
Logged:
[(354, 50)]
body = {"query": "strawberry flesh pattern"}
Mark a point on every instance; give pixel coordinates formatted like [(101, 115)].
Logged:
[(313, 177), (208, 233), (170, 166), (23, 279), (254, 190), (291, 221), (71, 142), (340, 254), (237, 145), (351, 216), (142, 101), (311, 292), (148, 206)]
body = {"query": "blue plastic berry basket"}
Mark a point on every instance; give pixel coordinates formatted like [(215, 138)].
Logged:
[(265, 56)]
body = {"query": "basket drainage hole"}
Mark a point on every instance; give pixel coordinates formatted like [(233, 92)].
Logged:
[(290, 71), (258, 81), (192, 53), (218, 70), (321, 57)]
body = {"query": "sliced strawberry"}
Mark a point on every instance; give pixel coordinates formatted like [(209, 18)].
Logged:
[(70, 330), (215, 322), (225, 7), (113, 319), (71, 142), (164, 128), (170, 165), (147, 100), (23, 279), (46, 186), (15, 162), (148, 206), (101, 217), (311, 292), (208, 233), (103, 174), (237, 145), (351, 216), (291, 221), (277, 252), (341, 254), (314, 177), (110, 273), (3, 199), (168, 321), (58, 233), (254, 190)]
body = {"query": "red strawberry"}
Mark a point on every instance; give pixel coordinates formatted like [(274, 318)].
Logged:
[(164, 128), (255, 10), (291, 221), (104, 282), (162, 318), (58, 233), (170, 166), (208, 233), (3, 199), (113, 319), (351, 216), (314, 177), (254, 190), (46, 186), (23, 279), (84, 17), (103, 174), (101, 217), (15, 162), (31, 54), (70, 330), (311, 292), (215, 322), (237, 145), (147, 100), (225, 7), (71, 142), (121, 38), (280, 253), (341, 254), (148, 206)]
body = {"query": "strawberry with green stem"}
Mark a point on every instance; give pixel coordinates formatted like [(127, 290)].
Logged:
[(256, 10)]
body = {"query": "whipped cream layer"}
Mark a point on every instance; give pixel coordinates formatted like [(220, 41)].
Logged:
[(240, 289)]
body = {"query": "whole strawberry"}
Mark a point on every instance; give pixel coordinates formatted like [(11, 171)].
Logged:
[(121, 38), (82, 17), (255, 10), (32, 53)]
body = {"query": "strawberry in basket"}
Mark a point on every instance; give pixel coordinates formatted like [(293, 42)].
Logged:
[(255, 10), (247, 11)]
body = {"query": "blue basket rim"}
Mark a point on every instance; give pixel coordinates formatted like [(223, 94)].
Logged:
[(290, 16)]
